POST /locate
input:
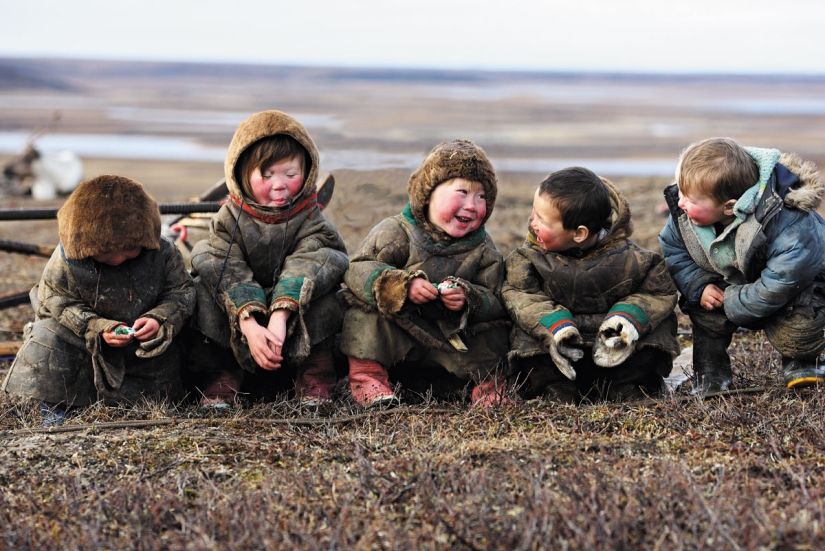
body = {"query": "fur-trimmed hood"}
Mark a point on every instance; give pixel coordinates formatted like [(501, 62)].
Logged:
[(621, 226), (808, 195), (105, 214), (448, 160), (262, 125)]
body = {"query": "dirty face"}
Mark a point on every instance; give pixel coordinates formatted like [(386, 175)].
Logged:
[(546, 226), (703, 210), (457, 207), (277, 183), (116, 258)]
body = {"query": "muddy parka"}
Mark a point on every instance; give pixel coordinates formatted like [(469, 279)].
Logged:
[(406, 246), (779, 248), (546, 290), (260, 259), (64, 358)]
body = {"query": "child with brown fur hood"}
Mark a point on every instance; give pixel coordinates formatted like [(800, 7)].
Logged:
[(267, 276), (423, 286), (111, 301)]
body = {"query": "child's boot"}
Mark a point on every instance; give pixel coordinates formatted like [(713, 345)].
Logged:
[(803, 372), (369, 383), (54, 415), (491, 393), (223, 389), (316, 378), (711, 362)]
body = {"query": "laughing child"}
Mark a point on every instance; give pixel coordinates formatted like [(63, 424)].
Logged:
[(593, 311), (423, 287)]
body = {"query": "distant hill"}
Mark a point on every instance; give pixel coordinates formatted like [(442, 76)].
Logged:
[(65, 74), (23, 74)]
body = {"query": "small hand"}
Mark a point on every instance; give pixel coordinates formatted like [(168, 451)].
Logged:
[(421, 291), (262, 344), (117, 340), (453, 298), (712, 297), (146, 329)]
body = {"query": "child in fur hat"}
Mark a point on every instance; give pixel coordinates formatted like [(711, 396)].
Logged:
[(593, 311), (423, 287), (746, 247), (267, 276), (111, 271)]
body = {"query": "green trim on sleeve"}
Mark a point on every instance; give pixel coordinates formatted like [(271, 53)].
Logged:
[(244, 295), (555, 321), (368, 298), (289, 287), (629, 311)]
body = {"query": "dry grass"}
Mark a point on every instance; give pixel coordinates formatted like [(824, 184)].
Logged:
[(676, 473)]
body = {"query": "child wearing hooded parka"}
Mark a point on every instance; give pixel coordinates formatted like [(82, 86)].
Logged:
[(594, 313), (423, 286), (267, 275), (746, 247), (111, 272)]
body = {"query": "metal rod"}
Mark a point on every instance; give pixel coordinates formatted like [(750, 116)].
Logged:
[(49, 213), (13, 299), (26, 248)]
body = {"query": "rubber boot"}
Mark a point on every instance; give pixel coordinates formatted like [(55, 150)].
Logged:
[(316, 378), (491, 393), (803, 372), (369, 383), (54, 415), (711, 362), (222, 390)]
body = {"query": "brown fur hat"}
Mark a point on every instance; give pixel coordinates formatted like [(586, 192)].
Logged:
[(448, 160), (105, 214)]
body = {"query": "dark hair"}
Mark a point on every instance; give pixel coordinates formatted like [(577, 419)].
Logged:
[(581, 197), (268, 151)]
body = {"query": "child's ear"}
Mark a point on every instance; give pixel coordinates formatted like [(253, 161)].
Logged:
[(729, 207), (581, 235)]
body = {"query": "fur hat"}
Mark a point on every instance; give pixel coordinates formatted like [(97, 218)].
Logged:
[(105, 214), (448, 160)]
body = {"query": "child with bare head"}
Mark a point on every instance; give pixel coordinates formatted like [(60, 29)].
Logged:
[(423, 286), (267, 275), (746, 248), (593, 311), (111, 301)]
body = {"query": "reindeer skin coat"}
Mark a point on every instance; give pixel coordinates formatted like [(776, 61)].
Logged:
[(64, 358), (382, 325), (616, 274), (298, 242)]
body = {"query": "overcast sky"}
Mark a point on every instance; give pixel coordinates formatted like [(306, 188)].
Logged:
[(729, 36)]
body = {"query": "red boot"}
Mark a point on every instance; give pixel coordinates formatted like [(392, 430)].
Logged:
[(369, 383), (223, 389), (491, 393), (316, 378)]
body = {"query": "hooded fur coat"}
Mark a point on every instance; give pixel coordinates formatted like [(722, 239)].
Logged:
[(779, 248), (64, 358), (382, 324), (615, 276), (297, 242)]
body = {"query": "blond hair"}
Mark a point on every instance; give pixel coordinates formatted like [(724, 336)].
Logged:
[(717, 167)]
